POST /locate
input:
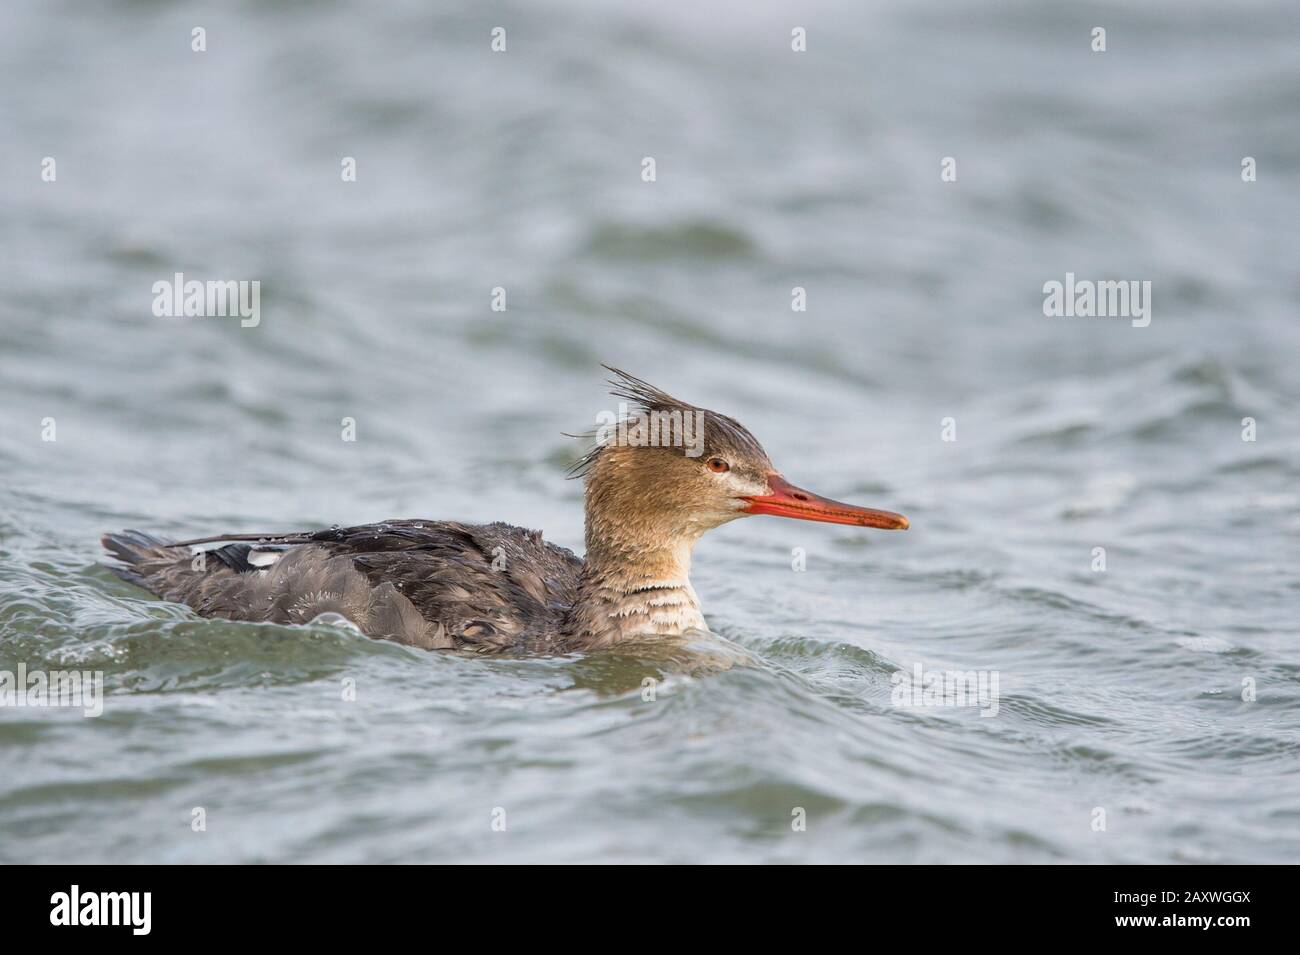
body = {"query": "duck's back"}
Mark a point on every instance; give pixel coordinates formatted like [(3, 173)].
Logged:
[(430, 584)]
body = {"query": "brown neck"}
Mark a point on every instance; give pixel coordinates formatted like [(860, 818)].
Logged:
[(632, 587)]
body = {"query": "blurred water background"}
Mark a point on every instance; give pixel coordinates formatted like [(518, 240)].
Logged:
[(1120, 690)]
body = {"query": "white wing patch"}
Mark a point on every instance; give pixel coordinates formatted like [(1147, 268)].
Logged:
[(264, 558)]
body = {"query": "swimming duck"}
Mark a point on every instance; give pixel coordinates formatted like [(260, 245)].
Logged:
[(655, 482)]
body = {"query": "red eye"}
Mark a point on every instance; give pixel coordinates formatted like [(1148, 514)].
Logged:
[(718, 466)]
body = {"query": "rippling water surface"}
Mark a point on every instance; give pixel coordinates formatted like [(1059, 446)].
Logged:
[(1119, 690)]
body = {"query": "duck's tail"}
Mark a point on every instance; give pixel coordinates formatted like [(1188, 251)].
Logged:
[(139, 553)]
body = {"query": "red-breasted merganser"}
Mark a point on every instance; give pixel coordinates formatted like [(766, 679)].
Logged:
[(494, 587)]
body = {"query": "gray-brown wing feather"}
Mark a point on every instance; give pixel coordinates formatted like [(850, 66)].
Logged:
[(431, 584)]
